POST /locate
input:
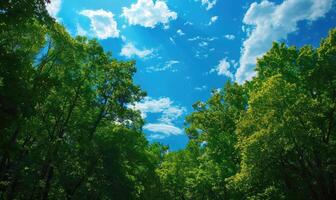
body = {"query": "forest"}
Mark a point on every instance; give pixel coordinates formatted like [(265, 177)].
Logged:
[(67, 130)]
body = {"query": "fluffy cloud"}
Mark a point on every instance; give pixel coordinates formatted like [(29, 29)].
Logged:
[(166, 66), (168, 114), (208, 3), (148, 13), (180, 32), (229, 37), (165, 129), (102, 22), (213, 20), (169, 111), (273, 22), (54, 7), (223, 68), (129, 50)]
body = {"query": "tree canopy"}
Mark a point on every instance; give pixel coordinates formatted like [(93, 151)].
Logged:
[(67, 130)]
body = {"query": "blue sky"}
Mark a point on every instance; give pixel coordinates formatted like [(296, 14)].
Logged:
[(184, 49)]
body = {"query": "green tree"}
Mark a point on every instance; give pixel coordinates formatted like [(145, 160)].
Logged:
[(286, 135)]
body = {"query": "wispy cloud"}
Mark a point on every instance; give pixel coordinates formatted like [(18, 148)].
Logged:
[(199, 38), (203, 44), (188, 23), (201, 88), (168, 65), (165, 129), (129, 50), (149, 13), (172, 40)]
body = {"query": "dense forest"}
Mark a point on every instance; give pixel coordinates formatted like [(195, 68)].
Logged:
[(67, 130)]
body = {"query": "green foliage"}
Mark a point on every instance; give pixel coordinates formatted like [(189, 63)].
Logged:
[(271, 138), (67, 130)]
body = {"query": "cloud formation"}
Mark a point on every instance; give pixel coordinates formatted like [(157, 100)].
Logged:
[(180, 32), (165, 129), (148, 13), (168, 114), (208, 3), (129, 50), (102, 23), (230, 36), (223, 68), (54, 7), (168, 65), (273, 22), (213, 20)]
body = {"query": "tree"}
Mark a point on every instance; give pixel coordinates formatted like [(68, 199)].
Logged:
[(67, 130), (285, 134)]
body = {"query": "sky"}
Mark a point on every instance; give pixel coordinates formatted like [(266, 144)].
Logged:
[(186, 49)]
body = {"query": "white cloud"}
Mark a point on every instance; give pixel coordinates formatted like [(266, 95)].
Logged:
[(129, 50), (188, 23), (230, 36), (168, 112), (198, 38), (194, 38), (123, 38), (273, 22), (203, 44), (165, 129), (172, 40), (201, 88), (54, 7), (208, 3), (223, 68), (150, 105), (180, 32), (213, 20), (166, 66), (102, 22), (148, 13), (171, 113)]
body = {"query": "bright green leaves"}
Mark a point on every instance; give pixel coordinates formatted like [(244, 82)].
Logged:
[(270, 138), (282, 136), (67, 131)]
